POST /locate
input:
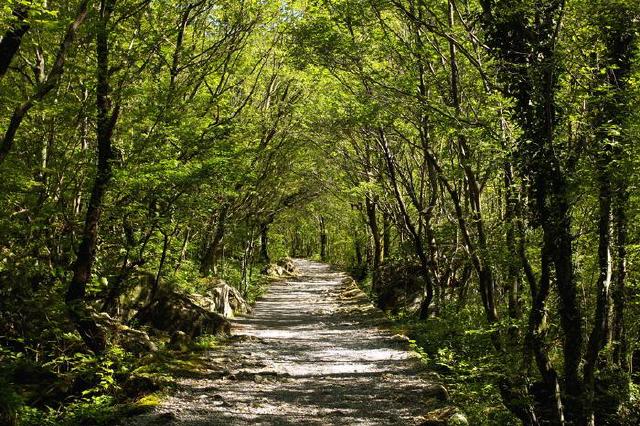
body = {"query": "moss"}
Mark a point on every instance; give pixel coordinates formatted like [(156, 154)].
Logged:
[(142, 405), (206, 342)]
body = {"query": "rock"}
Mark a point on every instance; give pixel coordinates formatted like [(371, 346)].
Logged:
[(402, 341), (221, 298), (446, 416), (273, 271), (436, 391), (458, 419), (348, 282), (400, 287), (288, 266), (136, 341), (171, 311), (179, 341), (140, 384)]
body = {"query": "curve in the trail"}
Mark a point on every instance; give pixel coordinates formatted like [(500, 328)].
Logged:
[(310, 353)]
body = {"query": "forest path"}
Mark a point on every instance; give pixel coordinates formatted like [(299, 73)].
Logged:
[(310, 353)]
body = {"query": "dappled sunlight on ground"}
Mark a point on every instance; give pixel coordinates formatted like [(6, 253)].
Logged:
[(305, 356)]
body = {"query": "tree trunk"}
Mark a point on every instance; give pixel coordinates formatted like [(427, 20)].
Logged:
[(323, 239), (621, 349), (10, 42), (183, 251), (264, 243), (372, 221), (106, 122), (163, 257), (410, 227), (386, 229), (210, 257), (599, 334), (514, 268)]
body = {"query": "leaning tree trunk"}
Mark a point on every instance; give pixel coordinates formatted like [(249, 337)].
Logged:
[(106, 121)]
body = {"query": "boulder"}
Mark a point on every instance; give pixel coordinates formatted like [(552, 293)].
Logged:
[(179, 341), (272, 270), (223, 299), (400, 288), (436, 391), (131, 339), (171, 311), (445, 416), (288, 265)]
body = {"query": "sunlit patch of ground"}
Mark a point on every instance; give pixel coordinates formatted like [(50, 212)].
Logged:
[(307, 355)]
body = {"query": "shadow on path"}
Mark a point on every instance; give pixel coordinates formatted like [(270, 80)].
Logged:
[(307, 355)]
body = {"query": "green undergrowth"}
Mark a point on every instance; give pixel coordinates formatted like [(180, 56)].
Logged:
[(463, 367), (121, 385), (72, 386)]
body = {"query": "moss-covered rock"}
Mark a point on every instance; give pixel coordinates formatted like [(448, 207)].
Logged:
[(400, 287), (172, 311)]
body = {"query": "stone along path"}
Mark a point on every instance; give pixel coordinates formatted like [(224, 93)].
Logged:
[(311, 353)]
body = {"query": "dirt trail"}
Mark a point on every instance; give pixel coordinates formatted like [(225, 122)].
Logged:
[(310, 353)]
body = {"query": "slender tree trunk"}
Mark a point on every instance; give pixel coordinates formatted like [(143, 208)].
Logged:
[(372, 221), (599, 334), (323, 239), (163, 257), (386, 237), (409, 226), (485, 273), (514, 268), (358, 250), (183, 251), (620, 352), (264, 243), (535, 342)]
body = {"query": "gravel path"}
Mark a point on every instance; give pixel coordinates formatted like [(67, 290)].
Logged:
[(311, 353)]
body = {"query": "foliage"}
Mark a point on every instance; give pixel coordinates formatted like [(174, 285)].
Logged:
[(489, 144)]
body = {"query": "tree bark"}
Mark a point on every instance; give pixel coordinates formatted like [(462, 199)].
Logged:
[(106, 121), (10, 42), (323, 239), (210, 256), (409, 226), (264, 243), (372, 221)]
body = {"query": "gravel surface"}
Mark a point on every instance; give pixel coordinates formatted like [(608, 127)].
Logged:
[(312, 353)]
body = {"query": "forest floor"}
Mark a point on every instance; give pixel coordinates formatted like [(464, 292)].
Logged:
[(314, 351)]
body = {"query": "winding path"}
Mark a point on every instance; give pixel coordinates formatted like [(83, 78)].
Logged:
[(311, 353)]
